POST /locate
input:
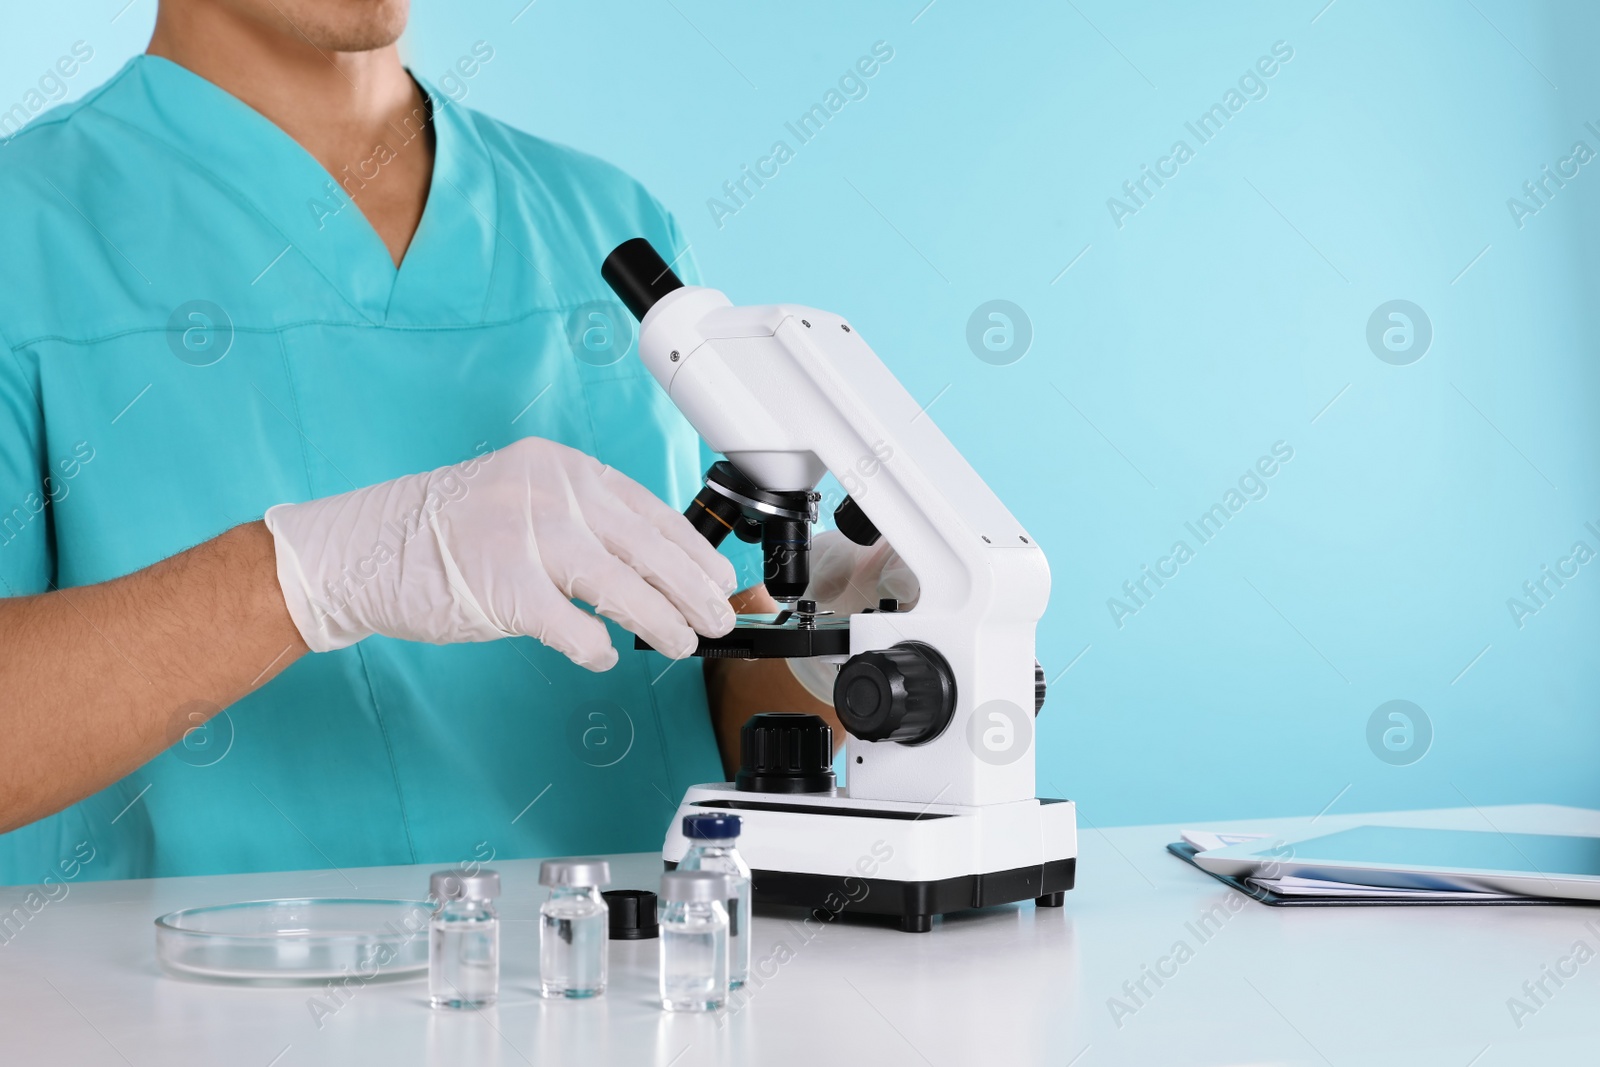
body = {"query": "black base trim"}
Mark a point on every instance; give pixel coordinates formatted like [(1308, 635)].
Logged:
[(914, 904), (837, 810)]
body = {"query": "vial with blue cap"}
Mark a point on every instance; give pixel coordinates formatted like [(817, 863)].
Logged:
[(714, 846)]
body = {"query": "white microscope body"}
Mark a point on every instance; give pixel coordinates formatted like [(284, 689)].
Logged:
[(787, 394)]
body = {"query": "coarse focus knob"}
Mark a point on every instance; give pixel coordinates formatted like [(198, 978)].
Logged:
[(906, 693), (785, 752)]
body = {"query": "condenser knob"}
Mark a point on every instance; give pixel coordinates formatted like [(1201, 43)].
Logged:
[(906, 693)]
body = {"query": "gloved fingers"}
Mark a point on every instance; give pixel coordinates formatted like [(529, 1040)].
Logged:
[(833, 561), (847, 577), (575, 634), (619, 593), (898, 581), (528, 603), (816, 675), (672, 526), (845, 580), (866, 581), (667, 567)]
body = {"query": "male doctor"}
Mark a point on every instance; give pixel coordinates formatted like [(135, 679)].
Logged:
[(301, 478)]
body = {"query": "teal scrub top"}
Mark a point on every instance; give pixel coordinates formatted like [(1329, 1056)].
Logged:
[(199, 325)]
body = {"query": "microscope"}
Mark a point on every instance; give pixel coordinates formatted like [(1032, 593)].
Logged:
[(938, 702)]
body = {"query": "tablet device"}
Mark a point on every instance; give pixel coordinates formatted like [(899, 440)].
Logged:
[(1406, 857)]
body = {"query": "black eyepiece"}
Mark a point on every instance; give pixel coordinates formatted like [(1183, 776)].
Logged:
[(638, 275)]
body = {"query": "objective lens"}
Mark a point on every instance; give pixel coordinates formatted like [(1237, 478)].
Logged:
[(786, 551), (713, 515)]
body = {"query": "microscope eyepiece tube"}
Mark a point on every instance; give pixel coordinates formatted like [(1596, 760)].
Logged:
[(638, 275)]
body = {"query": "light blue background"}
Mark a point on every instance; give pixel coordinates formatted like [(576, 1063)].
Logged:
[(1228, 314)]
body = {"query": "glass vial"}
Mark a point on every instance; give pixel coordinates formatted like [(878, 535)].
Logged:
[(694, 940), (464, 939), (713, 846), (573, 928)]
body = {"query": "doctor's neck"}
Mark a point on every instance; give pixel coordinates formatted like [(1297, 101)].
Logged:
[(328, 73)]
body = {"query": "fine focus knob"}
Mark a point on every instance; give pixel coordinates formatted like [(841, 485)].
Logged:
[(906, 693), (785, 752)]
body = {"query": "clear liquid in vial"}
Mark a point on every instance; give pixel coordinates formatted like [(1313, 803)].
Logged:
[(694, 966), (723, 857), (572, 948), (464, 962)]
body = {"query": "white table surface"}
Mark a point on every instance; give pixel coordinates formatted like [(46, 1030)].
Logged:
[(79, 983)]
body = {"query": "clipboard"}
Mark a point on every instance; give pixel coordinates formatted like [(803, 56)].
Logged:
[(1186, 852)]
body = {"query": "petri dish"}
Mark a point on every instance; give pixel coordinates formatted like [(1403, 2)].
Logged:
[(291, 941)]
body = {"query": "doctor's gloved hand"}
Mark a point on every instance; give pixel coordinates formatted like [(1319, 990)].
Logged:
[(846, 579), (498, 546)]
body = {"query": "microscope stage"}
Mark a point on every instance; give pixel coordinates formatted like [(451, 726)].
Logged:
[(763, 637)]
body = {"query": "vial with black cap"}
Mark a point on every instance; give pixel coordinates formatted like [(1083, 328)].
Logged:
[(714, 846)]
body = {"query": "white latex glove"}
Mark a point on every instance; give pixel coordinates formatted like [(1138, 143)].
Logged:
[(846, 579), (496, 547)]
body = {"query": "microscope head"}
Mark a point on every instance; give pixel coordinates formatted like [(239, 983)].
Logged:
[(779, 519)]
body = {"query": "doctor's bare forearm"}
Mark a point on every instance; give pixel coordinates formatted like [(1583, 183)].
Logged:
[(739, 688), (100, 679)]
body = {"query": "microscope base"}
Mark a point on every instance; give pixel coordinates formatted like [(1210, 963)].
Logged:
[(915, 904), (834, 855)]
